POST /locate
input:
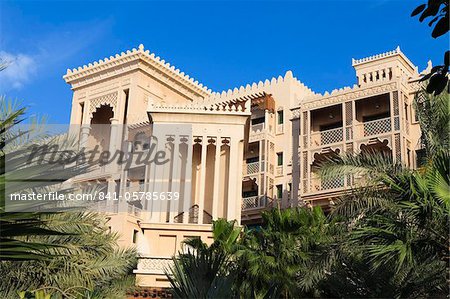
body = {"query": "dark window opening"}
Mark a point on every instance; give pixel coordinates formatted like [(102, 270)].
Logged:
[(330, 126), (421, 158), (280, 117), (376, 116), (252, 160), (279, 191), (280, 159), (135, 236), (259, 120)]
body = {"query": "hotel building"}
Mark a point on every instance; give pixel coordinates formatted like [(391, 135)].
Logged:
[(251, 148)]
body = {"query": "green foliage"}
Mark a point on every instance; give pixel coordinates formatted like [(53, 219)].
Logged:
[(17, 174), (204, 271), (438, 10), (433, 113), (399, 218), (87, 261)]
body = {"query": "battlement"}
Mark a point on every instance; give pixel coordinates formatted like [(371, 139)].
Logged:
[(260, 87), (136, 54), (397, 51), (384, 67)]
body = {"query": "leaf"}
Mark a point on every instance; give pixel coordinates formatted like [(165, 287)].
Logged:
[(433, 20), (418, 10), (437, 83), (442, 82), (441, 27), (447, 58), (426, 77)]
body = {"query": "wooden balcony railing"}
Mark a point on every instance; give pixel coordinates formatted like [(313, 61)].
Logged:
[(254, 202), (251, 168), (327, 137), (319, 185), (257, 128), (375, 127)]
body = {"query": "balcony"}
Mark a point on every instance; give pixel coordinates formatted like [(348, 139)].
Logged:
[(251, 168), (280, 129), (254, 202), (153, 265), (259, 132), (327, 137), (319, 185), (279, 170), (375, 127), (257, 128), (134, 211)]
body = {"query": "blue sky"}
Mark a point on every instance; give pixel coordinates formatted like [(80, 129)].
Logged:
[(220, 44)]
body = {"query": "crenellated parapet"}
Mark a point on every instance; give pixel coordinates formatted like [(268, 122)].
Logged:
[(266, 86), (387, 54), (130, 60)]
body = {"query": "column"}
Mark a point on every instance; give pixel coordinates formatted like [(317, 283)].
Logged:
[(392, 119), (295, 160), (84, 135), (355, 133), (232, 181), (113, 140), (201, 197), (111, 189), (308, 142), (238, 206), (215, 203), (187, 200), (176, 179)]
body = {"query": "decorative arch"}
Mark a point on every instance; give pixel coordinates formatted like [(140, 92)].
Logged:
[(106, 100), (375, 145)]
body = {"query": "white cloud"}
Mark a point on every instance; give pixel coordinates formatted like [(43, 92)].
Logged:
[(51, 49), (21, 68)]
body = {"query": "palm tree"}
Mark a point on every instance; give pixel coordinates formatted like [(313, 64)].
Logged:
[(206, 271), (86, 262), (289, 255), (63, 254), (17, 175), (399, 218)]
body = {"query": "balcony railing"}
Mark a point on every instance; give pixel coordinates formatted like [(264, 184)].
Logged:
[(153, 265), (251, 168), (254, 202), (376, 127), (280, 128), (136, 188), (327, 137), (257, 128), (134, 211), (279, 171), (318, 185)]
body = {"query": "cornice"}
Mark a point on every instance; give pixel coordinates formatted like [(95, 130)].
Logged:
[(349, 94)]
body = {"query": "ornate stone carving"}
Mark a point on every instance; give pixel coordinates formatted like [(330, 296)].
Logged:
[(349, 94), (108, 99)]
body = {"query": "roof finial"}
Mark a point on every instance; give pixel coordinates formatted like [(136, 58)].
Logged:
[(141, 47)]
